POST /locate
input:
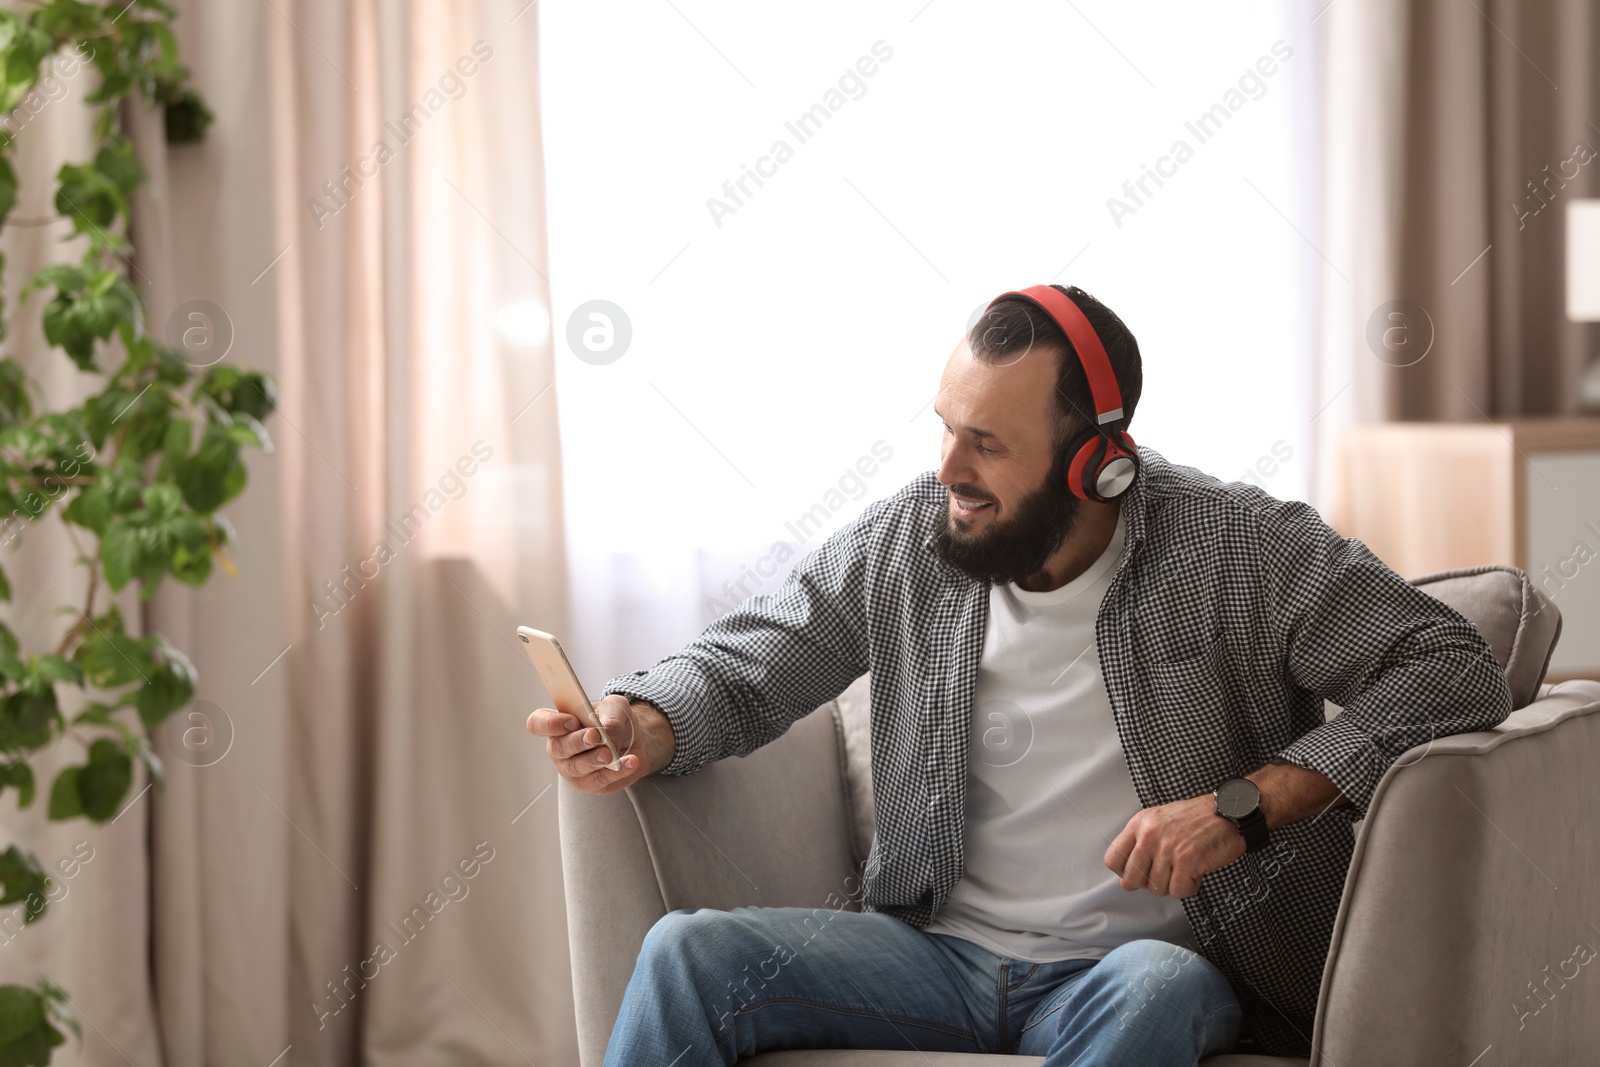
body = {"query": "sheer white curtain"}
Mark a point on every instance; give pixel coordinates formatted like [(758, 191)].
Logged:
[(791, 305), (1363, 82)]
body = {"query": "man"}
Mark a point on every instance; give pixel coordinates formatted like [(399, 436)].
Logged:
[(1113, 824)]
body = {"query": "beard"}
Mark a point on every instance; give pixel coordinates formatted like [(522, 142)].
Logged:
[(1015, 547)]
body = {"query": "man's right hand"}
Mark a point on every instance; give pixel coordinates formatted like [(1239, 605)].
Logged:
[(640, 730)]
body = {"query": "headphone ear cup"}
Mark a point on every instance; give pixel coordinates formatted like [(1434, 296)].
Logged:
[(1085, 452), (1118, 467), (1104, 466)]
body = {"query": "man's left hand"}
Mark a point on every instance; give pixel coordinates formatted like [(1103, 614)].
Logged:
[(1167, 849)]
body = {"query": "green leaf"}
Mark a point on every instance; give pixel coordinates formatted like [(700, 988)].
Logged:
[(122, 554), (191, 562), (75, 325), (23, 878), (11, 665), (69, 18), (138, 744), (15, 404), (96, 714), (161, 537), (25, 1017), (95, 788), (89, 308), (247, 430), (56, 669), (20, 774), (116, 491), (89, 198), (65, 800), (118, 163), (175, 445), (27, 719), (171, 686), (163, 499), (21, 1013), (139, 414), (8, 188), (187, 118), (60, 328), (237, 390), (28, 48), (104, 781), (147, 755), (110, 656), (57, 1006), (214, 474), (62, 276)]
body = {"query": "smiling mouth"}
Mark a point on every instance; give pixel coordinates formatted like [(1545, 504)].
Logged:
[(966, 509)]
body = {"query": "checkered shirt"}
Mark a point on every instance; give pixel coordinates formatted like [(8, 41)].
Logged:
[(1231, 617)]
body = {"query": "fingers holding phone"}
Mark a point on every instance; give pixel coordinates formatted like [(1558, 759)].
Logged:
[(579, 752), (598, 747)]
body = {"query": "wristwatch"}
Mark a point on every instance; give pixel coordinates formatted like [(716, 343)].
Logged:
[(1239, 801)]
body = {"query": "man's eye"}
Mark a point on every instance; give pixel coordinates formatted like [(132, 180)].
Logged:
[(987, 451)]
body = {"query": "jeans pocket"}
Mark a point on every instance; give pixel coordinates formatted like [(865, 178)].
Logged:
[(1051, 1005)]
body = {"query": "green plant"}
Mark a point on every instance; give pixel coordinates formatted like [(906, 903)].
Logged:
[(142, 466)]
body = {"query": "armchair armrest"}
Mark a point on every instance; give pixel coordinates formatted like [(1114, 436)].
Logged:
[(1470, 888), (770, 829)]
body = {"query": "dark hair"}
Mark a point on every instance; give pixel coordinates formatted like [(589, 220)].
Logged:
[(1015, 324)]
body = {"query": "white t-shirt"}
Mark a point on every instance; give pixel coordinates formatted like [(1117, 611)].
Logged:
[(1047, 787)]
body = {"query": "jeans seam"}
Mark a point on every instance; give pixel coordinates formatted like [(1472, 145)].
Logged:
[(1000, 1002), (1030, 1025), (891, 1017)]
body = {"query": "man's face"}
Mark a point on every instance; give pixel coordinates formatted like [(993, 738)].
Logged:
[(998, 456)]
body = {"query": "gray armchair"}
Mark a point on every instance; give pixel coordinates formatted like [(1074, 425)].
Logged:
[(1472, 883)]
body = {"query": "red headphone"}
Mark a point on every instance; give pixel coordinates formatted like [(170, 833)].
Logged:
[(1105, 459)]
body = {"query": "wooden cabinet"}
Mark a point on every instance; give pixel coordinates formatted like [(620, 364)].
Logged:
[(1428, 496)]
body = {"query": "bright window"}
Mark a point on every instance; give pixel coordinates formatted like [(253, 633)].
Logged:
[(932, 155)]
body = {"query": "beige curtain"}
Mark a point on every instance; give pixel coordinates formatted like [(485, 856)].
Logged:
[(1451, 136), (370, 874)]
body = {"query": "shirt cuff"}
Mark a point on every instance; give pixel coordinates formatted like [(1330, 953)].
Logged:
[(1341, 751), (690, 734)]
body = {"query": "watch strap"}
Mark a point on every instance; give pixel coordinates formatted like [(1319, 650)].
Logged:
[(1254, 828)]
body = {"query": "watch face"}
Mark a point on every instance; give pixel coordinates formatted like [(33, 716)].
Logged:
[(1237, 797)]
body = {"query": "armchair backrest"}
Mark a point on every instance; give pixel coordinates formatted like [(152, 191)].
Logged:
[(1520, 623)]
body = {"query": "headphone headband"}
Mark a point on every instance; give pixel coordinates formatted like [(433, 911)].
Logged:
[(1085, 341)]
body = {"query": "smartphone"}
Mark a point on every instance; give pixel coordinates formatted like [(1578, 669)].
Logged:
[(566, 692)]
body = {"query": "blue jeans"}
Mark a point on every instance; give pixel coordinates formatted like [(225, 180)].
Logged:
[(713, 986)]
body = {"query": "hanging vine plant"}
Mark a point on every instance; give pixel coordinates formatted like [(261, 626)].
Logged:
[(133, 477)]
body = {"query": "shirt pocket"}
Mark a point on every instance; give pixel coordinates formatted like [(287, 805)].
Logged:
[(1194, 641), (1179, 676), (1190, 714)]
